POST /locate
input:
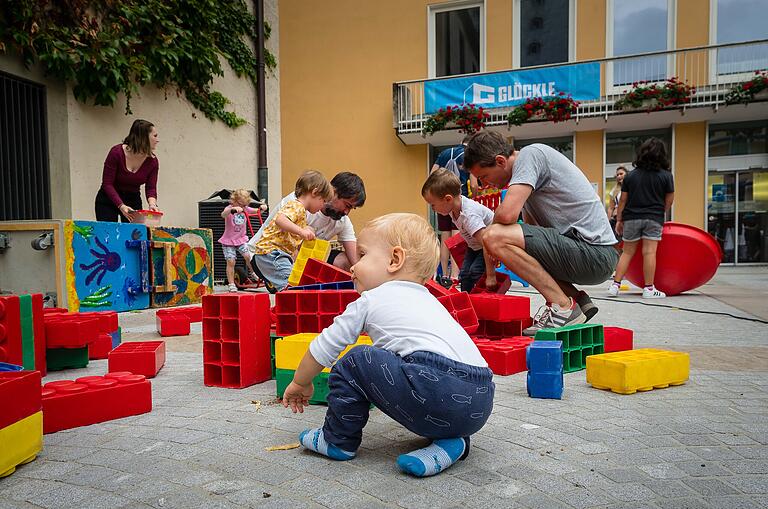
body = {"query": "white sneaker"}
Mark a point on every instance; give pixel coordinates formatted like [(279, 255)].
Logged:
[(613, 290), (653, 293), (233, 287)]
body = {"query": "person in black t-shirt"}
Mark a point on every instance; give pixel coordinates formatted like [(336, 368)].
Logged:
[(646, 194)]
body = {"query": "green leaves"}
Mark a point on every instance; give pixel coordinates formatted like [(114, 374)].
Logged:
[(105, 48)]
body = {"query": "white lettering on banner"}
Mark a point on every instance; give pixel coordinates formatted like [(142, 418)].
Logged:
[(527, 91), (518, 91), (551, 90), (482, 94)]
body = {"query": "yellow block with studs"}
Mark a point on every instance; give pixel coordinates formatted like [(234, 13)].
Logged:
[(291, 349), (637, 370), (318, 249), (20, 443)]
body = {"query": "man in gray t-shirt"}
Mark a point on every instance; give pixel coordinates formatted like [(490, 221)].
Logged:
[(566, 237)]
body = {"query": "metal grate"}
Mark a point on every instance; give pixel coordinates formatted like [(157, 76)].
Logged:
[(24, 173)]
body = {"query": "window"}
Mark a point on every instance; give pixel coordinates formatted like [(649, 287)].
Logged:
[(543, 35), (456, 40), (562, 145), (621, 149), (738, 139), (738, 21), (640, 27)]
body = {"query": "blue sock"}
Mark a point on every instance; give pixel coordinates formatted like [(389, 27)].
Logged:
[(434, 458), (314, 440)]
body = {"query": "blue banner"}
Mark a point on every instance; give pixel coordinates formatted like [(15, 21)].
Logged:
[(510, 88)]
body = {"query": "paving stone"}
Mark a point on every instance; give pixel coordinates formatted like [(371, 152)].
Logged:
[(582, 498), (736, 502), (750, 483), (682, 503), (631, 492), (479, 477), (701, 468), (710, 487), (747, 466), (624, 475)]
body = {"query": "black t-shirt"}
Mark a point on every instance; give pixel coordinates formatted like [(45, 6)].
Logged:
[(646, 191)]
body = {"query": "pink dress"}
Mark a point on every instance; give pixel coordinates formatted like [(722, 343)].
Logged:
[(235, 227)]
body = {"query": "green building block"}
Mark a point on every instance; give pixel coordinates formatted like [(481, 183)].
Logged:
[(579, 342), (66, 358), (27, 332), (283, 377)]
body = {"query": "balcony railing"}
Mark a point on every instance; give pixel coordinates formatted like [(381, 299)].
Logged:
[(713, 70)]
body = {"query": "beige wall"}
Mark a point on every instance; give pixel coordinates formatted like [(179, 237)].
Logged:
[(690, 167), (588, 146), (197, 156)]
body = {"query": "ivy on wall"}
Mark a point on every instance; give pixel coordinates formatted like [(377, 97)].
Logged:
[(108, 47)]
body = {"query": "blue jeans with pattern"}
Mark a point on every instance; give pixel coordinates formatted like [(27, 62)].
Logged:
[(429, 394)]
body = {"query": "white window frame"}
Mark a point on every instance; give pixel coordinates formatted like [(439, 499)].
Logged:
[(713, 74), (452, 6), (610, 88), (516, 32)]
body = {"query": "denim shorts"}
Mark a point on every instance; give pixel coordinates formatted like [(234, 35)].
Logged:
[(276, 266), (636, 229), (230, 252)]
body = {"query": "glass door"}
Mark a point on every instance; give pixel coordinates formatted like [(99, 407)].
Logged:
[(737, 214)]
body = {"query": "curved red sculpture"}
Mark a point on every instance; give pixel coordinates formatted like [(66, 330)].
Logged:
[(687, 258)]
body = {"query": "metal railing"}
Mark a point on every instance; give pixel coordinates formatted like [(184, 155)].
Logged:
[(713, 70)]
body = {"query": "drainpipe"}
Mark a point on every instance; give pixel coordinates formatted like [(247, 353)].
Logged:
[(261, 114)]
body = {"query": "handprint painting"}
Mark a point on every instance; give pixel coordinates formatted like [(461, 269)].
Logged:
[(103, 272)]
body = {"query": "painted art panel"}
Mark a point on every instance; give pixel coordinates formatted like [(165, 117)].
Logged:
[(107, 266), (190, 265)]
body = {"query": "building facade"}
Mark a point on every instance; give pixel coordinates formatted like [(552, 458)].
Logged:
[(353, 81)]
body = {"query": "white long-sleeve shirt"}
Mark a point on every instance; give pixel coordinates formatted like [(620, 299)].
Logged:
[(402, 317)]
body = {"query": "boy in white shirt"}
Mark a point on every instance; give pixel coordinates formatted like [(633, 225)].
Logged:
[(442, 191), (423, 370)]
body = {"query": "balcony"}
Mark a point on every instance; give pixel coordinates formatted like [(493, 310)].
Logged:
[(714, 70)]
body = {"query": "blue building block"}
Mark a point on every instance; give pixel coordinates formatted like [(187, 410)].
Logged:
[(545, 369), (4, 366), (339, 285), (545, 356), (116, 337)]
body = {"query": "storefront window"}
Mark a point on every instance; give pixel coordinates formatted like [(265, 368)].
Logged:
[(621, 149), (738, 139)]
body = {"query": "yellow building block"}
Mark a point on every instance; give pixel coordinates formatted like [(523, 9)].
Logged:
[(20, 443), (637, 370), (318, 249), (291, 349)]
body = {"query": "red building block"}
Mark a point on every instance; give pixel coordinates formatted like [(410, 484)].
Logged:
[(505, 356), (309, 310), (10, 330), (501, 279), (320, 272), (501, 308), (172, 323), (437, 289), (195, 313), (495, 330), (236, 344), (100, 348), (458, 247), (93, 399), (38, 326), (461, 309), (70, 330), (55, 311), (617, 339), (138, 357), (19, 396)]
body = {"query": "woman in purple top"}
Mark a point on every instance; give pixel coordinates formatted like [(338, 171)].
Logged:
[(129, 165)]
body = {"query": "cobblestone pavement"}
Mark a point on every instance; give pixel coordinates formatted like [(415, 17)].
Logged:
[(703, 444)]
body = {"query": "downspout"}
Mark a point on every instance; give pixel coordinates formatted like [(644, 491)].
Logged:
[(262, 177)]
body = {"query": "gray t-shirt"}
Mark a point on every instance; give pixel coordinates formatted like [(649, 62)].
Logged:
[(472, 218), (562, 197)]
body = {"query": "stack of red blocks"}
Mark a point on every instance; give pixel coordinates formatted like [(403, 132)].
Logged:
[(236, 343), (138, 357), (439, 290), (309, 310), (461, 309), (317, 271), (107, 324), (505, 356)]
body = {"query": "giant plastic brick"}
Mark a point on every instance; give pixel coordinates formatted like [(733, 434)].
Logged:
[(19, 396), (10, 330), (38, 326), (170, 322), (20, 443), (579, 342), (66, 358), (138, 357), (460, 307), (310, 249), (236, 345), (491, 329), (501, 308), (70, 330), (437, 289), (545, 370), (637, 370), (617, 339), (291, 349), (340, 285), (100, 348), (458, 248), (502, 280), (309, 310), (283, 377), (317, 271), (93, 399), (505, 356)]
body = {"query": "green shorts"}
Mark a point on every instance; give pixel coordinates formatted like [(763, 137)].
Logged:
[(568, 259)]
